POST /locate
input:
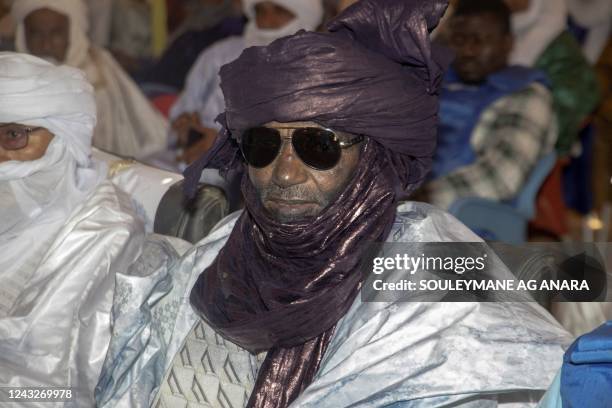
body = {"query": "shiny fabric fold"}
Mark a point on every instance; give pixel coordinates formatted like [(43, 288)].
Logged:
[(298, 364), (271, 281)]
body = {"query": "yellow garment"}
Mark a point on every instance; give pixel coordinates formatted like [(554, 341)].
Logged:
[(159, 28)]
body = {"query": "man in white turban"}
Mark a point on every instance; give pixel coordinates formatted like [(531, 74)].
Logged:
[(202, 100), (64, 231), (56, 30)]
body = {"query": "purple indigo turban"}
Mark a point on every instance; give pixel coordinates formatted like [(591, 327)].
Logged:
[(375, 73)]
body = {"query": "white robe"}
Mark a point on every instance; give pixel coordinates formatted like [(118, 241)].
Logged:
[(64, 233), (128, 125), (57, 331), (409, 354), (202, 93)]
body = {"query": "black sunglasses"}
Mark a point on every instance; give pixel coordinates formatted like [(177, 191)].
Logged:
[(318, 148)]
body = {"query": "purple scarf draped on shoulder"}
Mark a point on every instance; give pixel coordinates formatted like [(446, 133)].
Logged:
[(282, 288)]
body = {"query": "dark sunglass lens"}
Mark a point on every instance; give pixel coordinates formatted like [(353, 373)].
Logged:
[(260, 146), (13, 138), (318, 148)]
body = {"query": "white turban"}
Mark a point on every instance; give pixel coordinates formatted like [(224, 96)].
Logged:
[(75, 10), (58, 98), (535, 28), (308, 16), (39, 195)]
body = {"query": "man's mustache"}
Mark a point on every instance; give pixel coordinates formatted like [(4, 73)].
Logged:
[(293, 193)]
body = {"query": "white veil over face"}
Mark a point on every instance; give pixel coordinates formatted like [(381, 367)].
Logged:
[(39, 195), (308, 16)]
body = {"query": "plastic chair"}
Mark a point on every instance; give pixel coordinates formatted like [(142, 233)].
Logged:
[(505, 221)]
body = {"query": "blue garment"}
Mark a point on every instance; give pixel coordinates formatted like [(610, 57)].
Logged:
[(552, 398), (586, 375), (461, 106)]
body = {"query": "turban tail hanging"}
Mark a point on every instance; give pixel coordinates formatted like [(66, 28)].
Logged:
[(283, 287)]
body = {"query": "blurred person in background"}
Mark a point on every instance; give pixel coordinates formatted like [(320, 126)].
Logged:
[(579, 318), (7, 27), (55, 30), (206, 22), (202, 101), (64, 231), (542, 41), (496, 119), (138, 32), (591, 22), (100, 19), (131, 33), (603, 123)]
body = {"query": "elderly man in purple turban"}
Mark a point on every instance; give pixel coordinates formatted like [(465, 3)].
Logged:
[(330, 131)]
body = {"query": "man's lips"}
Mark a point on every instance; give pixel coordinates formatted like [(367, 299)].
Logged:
[(290, 202)]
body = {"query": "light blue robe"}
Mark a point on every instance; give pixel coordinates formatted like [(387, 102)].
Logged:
[(399, 354)]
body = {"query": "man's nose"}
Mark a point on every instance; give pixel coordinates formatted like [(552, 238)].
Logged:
[(469, 48), (288, 168)]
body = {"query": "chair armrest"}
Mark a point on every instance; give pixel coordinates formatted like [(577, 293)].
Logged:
[(193, 219)]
